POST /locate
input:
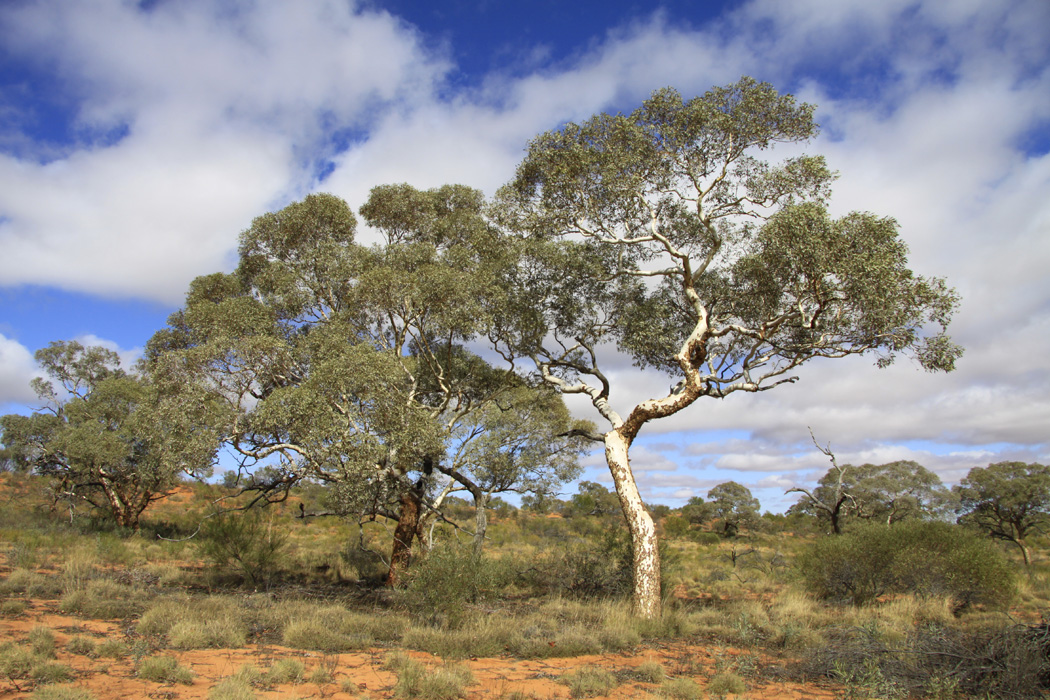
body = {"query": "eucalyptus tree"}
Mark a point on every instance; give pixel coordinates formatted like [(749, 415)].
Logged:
[(734, 505), (1008, 500), (110, 438), (663, 232), (891, 492), (345, 362)]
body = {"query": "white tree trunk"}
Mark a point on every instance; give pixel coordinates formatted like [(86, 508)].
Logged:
[(644, 546)]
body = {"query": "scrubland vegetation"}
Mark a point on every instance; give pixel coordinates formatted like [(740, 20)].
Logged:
[(913, 609)]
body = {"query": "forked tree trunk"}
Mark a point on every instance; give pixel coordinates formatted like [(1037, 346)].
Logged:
[(644, 547)]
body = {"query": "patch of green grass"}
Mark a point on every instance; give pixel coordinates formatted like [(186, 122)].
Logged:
[(112, 649), (286, 671), (589, 681), (681, 689), (50, 672), (231, 689), (42, 642), (13, 607), (649, 672), (164, 669), (220, 633), (101, 599), (724, 683), (81, 646), (415, 681), (61, 692), (15, 661)]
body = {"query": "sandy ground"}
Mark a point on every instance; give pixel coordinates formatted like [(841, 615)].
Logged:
[(494, 677)]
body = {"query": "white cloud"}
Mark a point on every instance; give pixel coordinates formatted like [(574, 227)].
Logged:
[(17, 368), (226, 111)]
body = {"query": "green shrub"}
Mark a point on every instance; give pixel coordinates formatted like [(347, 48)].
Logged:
[(42, 641), (681, 689), (81, 645), (724, 683), (649, 672), (231, 689), (247, 543), (588, 682), (924, 558), (13, 608), (285, 671), (438, 588), (164, 669), (61, 692)]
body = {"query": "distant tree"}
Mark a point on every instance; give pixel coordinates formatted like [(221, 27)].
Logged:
[(897, 491), (663, 232), (889, 492), (831, 499), (542, 503), (519, 443), (1008, 500), (697, 511), (593, 499), (111, 439), (733, 504)]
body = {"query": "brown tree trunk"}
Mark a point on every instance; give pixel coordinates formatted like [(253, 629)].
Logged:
[(404, 533), (644, 546)]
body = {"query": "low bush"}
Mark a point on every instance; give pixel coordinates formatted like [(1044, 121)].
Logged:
[(589, 681), (248, 544), (164, 669), (438, 588), (681, 689), (81, 646), (989, 661), (42, 641), (924, 558), (231, 689), (724, 683), (61, 692)]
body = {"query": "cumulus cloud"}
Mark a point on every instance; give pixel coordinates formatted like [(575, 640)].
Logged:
[(17, 368)]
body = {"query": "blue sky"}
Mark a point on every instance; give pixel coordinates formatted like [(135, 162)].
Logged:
[(138, 139)]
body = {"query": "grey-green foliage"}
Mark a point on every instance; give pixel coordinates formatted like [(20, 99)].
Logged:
[(1008, 500), (347, 362), (733, 504), (116, 440), (890, 493), (920, 557)]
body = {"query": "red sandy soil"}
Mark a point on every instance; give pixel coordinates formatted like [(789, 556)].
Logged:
[(494, 677)]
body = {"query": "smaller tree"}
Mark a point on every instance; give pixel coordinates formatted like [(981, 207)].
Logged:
[(733, 504), (115, 440), (593, 499), (1008, 500)]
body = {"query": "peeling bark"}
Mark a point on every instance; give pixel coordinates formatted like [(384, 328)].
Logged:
[(644, 546)]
